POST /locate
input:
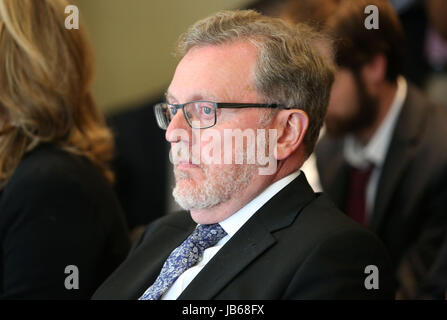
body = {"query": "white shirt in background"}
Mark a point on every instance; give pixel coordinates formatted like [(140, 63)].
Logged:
[(360, 156)]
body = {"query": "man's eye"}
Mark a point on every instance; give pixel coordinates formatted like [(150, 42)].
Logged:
[(207, 110), (173, 111)]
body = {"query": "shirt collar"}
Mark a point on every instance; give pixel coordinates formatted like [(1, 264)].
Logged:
[(360, 156), (234, 222)]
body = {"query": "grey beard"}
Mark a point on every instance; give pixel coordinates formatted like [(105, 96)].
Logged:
[(214, 190)]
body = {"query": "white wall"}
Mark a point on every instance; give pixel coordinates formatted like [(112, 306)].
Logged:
[(133, 42)]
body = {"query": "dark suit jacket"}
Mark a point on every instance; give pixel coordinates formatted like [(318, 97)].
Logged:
[(410, 206), (141, 163), (297, 246), (58, 210), (435, 284)]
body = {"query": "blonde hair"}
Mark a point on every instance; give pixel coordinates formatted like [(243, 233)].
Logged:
[(291, 69), (45, 76)]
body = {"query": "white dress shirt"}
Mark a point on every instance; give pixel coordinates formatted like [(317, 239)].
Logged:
[(310, 168), (231, 225), (360, 156)]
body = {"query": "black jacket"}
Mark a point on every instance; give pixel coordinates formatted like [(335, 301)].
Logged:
[(141, 163), (297, 246), (58, 210), (410, 208)]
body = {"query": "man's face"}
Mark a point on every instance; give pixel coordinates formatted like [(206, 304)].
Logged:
[(351, 107), (222, 73)]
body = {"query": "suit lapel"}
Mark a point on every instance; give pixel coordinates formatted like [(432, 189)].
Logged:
[(338, 189), (159, 249), (251, 240), (394, 166), (409, 125), (233, 257), (333, 169)]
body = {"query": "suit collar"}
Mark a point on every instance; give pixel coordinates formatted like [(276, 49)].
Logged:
[(413, 117), (254, 237), (232, 224), (280, 211), (136, 274), (336, 177), (408, 130)]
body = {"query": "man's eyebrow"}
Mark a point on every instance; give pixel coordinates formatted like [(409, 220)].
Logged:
[(195, 97), (169, 96)]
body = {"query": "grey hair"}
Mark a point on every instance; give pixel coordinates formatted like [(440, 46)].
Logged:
[(291, 69)]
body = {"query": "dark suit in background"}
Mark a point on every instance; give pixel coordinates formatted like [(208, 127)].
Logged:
[(140, 164), (297, 246), (58, 210), (410, 208), (435, 285)]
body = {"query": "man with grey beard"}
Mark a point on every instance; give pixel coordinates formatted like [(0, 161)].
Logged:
[(254, 228)]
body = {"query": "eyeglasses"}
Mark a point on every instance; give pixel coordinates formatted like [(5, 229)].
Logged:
[(200, 114)]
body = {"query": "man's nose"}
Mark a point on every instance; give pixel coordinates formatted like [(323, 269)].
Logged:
[(177, 128)]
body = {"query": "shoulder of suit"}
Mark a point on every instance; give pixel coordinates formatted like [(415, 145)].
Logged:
[(435, 113), (433, 123), (324, 221)]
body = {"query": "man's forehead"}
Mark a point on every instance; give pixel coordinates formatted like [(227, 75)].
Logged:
[(203, 95), (242, 45), (214, 73)]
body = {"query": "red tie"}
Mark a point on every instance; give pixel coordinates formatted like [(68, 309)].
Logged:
[(356, 197)]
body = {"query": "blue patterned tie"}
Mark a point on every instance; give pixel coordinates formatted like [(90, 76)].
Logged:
[(184, 257)]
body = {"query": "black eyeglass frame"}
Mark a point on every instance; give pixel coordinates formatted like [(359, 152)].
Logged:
[(221, 105)]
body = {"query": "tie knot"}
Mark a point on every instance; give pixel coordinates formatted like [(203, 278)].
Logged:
[(207, 235), (184, 257), (362, 173)]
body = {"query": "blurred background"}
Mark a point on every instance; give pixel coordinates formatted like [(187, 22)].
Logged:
[(134, 43)]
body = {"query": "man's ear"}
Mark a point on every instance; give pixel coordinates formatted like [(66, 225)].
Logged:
[(374, 72), (292, 126)]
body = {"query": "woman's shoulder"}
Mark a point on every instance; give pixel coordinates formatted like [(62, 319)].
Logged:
[(50, 171), (49, 159), (51, 182)]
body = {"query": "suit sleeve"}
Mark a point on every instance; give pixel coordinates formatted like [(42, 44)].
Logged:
[(338, 269), (49, 225), (419, 261), (435, 285)]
